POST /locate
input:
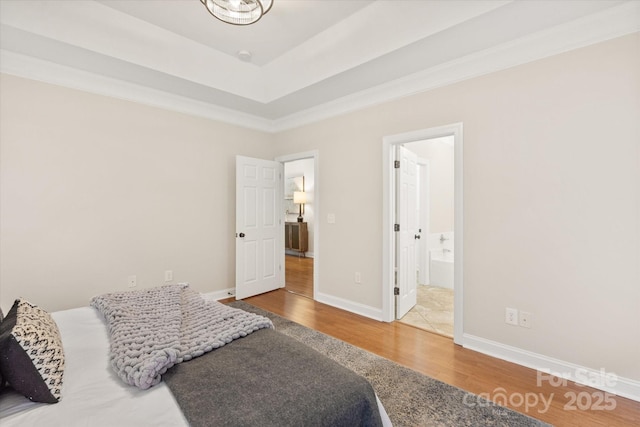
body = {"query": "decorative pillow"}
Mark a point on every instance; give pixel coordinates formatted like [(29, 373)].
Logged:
[(1, 378), (31, 354)]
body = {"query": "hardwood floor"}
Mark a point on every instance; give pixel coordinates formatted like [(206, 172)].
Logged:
[(439, 358), (299, 275)]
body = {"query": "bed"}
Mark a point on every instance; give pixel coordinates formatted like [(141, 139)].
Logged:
[(234, 385)]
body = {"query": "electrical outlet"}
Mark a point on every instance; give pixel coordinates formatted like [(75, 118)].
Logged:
[(168, 276), (132, 281), (525, 319), (511, 316), (331, 218), (358, 278)]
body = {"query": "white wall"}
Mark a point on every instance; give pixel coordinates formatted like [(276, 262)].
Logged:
[(439, 152), (551, 200), (303, 167), (94, 189)]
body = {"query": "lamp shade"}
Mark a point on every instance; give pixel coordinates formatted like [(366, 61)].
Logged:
[(299, 197)]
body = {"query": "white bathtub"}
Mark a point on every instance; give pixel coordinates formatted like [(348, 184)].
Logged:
[(441, 268)]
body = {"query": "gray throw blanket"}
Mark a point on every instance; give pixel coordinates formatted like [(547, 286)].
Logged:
[(153, 329), (269, 379)]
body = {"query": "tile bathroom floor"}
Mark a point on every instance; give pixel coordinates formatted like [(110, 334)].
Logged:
[(433, 312)]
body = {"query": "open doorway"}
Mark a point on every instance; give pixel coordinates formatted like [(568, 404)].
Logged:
[(394, 276), (434, 309), (300, 227)]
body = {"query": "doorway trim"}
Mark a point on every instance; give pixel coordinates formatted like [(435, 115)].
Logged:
[(315, 155), (388, 208), (425, 216)]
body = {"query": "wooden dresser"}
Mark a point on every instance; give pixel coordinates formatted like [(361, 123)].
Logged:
[(296, 237)]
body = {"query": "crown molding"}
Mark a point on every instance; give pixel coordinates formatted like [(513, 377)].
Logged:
[(609, 24), (48, 72)]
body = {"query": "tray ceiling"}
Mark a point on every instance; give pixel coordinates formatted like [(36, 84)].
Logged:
[(307, 56)]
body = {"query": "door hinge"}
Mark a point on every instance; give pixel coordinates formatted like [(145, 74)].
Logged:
[(396, 291), (396, 164), (396, 227)]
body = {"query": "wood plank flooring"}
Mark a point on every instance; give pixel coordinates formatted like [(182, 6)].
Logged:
[(299, 275), (439, 358)]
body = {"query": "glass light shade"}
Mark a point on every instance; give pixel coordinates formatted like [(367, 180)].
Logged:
[(299, 197), (238, 12)]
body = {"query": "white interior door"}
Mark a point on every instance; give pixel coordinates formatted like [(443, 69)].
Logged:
[(407, 218), (423, 221), (259, 226)]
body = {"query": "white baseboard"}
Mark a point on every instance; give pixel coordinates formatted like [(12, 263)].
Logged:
[(218, 295), (354, 307), (361, 309), (601, 380)]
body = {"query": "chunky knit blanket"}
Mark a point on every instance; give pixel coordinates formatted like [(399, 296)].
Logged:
[(153, 329)]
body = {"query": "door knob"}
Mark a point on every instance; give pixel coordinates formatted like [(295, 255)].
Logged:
[(417, 236), (241, 234)]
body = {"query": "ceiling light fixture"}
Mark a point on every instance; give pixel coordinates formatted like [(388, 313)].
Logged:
[(238, 12)]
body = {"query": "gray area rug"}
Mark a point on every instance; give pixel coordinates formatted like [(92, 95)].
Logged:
[(410, 398)]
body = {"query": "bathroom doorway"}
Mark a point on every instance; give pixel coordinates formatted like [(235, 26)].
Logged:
[(434, 310), (451, 244)]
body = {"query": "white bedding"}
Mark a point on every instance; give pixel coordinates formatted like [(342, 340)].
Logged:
[(92, 394)]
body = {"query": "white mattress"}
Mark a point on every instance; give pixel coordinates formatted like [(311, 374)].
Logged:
[(92, 395)]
